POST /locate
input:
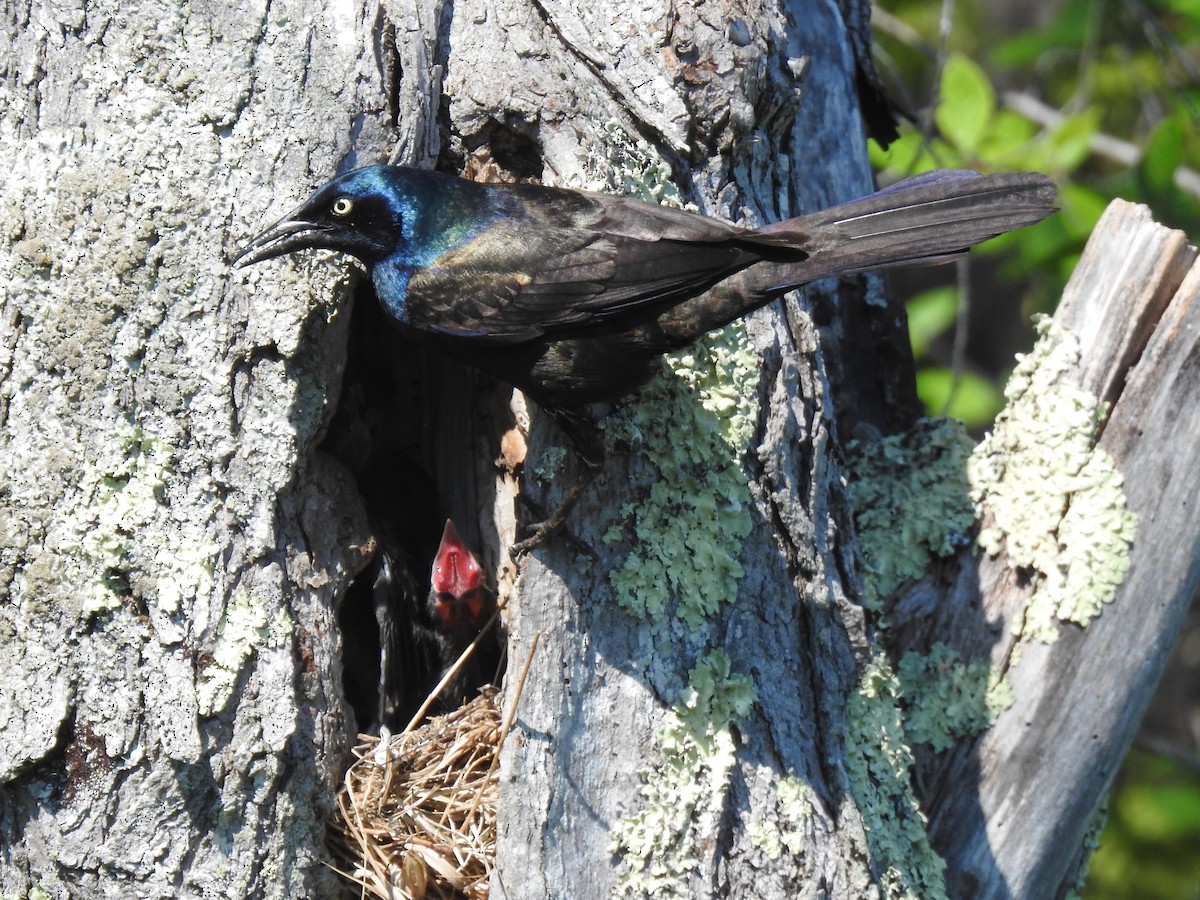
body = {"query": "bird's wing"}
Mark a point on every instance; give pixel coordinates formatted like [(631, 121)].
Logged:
[(565, 260)]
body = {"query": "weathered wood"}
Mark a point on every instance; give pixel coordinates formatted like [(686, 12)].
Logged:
[(1010, 811), (1118, 292)]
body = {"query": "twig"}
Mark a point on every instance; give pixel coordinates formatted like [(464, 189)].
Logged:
[(512, 714), (1105, 145), (1172, 751), (962, 327), (454, 669)]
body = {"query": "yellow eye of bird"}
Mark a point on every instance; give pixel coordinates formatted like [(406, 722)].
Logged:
[(342, 206)]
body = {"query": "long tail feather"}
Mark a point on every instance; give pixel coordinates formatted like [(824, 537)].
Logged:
[(923, 219), (935, 215)]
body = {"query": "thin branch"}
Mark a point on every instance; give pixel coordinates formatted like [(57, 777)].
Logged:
[(1104, 145), (962, 327), (454, 669)]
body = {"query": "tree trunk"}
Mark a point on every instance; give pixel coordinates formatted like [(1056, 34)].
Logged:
[(1104, 423), (711, 711), (172, 718)]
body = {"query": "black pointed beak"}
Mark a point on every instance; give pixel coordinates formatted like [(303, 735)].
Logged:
[(285, 236)]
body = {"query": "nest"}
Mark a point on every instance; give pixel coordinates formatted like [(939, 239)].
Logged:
[(418, 813)]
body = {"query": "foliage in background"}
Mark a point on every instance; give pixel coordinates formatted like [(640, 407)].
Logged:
[(1148, 849), (1103, 95)]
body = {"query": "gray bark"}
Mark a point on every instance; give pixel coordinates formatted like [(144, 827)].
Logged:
[(1011, 810), (171, 715), (174, 537)]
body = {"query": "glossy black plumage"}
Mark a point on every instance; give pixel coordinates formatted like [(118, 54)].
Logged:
[(573, 297)]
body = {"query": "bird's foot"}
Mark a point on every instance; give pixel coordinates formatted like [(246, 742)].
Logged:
[(588, 445), (536, 534)]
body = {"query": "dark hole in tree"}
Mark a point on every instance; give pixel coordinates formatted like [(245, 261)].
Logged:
[(515, 152), (405, 428)]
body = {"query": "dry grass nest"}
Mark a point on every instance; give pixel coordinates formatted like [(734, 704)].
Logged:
[(417, 814)]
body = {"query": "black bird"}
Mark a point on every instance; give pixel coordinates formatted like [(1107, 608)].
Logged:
[(420, 635), (573, 297), (459, 606)]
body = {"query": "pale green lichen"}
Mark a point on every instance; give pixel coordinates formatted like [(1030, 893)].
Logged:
[(787, 831), (693, 512), (946, 699), (125, 538), (688, 524), (244, 627), (1056, 499), (183, 571), (550, 463), (878, 763), (911, 501), (619, 164), (684, 793), (121, 495)]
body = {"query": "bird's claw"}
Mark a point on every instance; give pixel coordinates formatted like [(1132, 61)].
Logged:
[(522, 547), (536, 534)]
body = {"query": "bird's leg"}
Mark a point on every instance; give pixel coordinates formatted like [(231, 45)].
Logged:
[(588, 446), (538, 532)]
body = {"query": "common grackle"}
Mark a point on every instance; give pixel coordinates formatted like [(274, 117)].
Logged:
[(573, 297), (421, 635)]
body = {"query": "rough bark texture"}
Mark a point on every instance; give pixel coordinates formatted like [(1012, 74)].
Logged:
[(708, 713), (1135, 313), (1011, 810), (171, 714)]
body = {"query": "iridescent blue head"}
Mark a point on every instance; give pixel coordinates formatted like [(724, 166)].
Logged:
[(406, 216)]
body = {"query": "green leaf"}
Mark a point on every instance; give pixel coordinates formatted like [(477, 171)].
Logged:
[(1071, 142), (1035, 246), (1187, 8), (899, 155), (1081, 209), (972, 400), (1006, 144), (968, 101), (1068, 31), (930, 314), (910, 155), (1163, 155)]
